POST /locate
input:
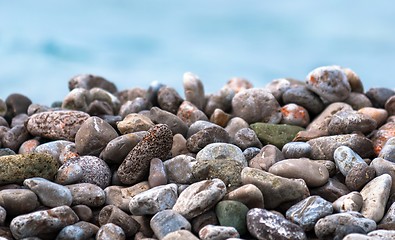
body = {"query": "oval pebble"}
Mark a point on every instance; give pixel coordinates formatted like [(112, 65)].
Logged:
[(112, 214), (296, 150), (168, 221), (180, 169), (18, 201), (346, 158), (189, 113), (110, 231), (175, 124), (247, 194), (78, 231), (232, 214), (194, 90), (294, 114), (344, 122), (222, 151), (349, 202), (87, 194)]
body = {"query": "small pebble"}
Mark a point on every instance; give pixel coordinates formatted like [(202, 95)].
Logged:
[(207, 218), (15, 104), (268, 156), (206, 136), (234, 125), (134, 106), (331, 191), (134, 122), (303, 97), (220, 117), (222, 151), (250, 153), (120, 196), (381, 136), (388, 151), (390, 106), (83, 212), (78, 231), (350, 202), (168, 221), (389, 217), (189, 113), (176, 125), (377, 114), (180, 235), (294, 114), (169, 99), (211, 232), (220, 100), (296, 150), (179, 146), (157, 173), (346, 158), (245, 138), (359, 175), (15, 137), (3, 215), (179, 169), (194, 90), (275, 134), (358, 100), (378, 96), (87, 194), (247, 194), (344, 122), (89, 81), (29, 146)]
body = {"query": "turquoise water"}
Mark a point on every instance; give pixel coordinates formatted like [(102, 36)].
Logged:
[(132, 43)]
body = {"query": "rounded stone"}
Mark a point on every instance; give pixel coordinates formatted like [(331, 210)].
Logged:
[(278, 86), (157, 173), (207, 218), (377, 114), (238, 84), (275, 134), (388, 151), (83, 212), (194, 90), (232, 214), (267, 156), (220, 117), (49, 193), (331, 191), (219, 100), (296, 150), (189, 113), (168, 221), (87, 194), (211, 232), (206, 136), (93, 136), (110, 231), (358, 101), (15, 137), (247, 194), (134, 106), (3, 215), (180, 235), (134, 122), (19, 119), (346, 158), (18, 201), (169, 99), (179, 146), (245, 138), (234, 125), (344, 122), (381, 136), (54, 148), (112, 214), (121, 196), (354, 80), (330, 83), (156, 144), (359, 175), (382, 166), (251, 152), (294, 114), (69, 173), (223, 151), (28, 146), (349, 202), (80, 230), (378, 96), (176, 125), (179, 169), (16, 103), (256, 105), (314, 174), (89, 81), (17, 168), (303, 97), (263, 224), (390, 106)]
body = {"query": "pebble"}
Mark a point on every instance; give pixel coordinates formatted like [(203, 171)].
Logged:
[(3, 108), (314, 174), (120, 196), (15, 137), (154, 200), (110, 231), (197, 126), (77, 99), (275, 189), (54, 148), (204, 137), (194, 90), (359, 175), (388, 151), (112, 214), (251, 152), (93, 136), (247, 194), (29, 146), (134, 106), (180, 235), (324, 147), (307, 212), (18, 201), (199, 197), (220, 117), (19, 119), (157, 173), (331, 191), (268, 156), (350, 202), (211, 232), (278, 86), (232, 214), (381, 136), (344, 122), (275, 134), (83, 212), (345, 230), (179, 146), (56, 125), (303, 97), (207, 218), (256, 105), (87, 194), (179, 169), (69, 173), (15, 104), (220, 100), (49, 193), (377, 114), (382, 234), (16, 168), (221, 151), (168, 221), (390, 106), (238, 84), (358, 101), (78, 231), (330, 83), (89, 81), (234, 125), (157, 143), (354, 80), (3, 215), (379, 96), (134, 122), (296, 150), (117, 149), (42, 223), (375, 195), (245, 138), (345, 158), (263, 224), (176, 125), (389, 217), (189, 113), (326, 227), (169, 99), (293, 114)]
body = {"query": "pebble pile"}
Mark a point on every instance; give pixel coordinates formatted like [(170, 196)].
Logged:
[(311, 159)]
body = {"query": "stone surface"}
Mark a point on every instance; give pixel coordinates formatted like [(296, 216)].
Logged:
[(344, 122), (211, 232), (378, 114), (169, 99), (134, 122), (206, 136), (359, 175), (245, 138), (87, 194), (83, 212), (154, 200), (293, 114), (79, 231), (54, 148), (234, 125), (388, 151), (176, 125), (275, 189), (18, 201), (110, 231), (378, 96), (345, 158), (42, 223), (120, 196), (296, 150), (349, 202), (302, 96), (156, 144), (15, 137), (204, 219), (16, 103), (390, 105), (358, 101), (381, 136), (16, 168), (189, 113), (3, 215), (193, 90), (307, 212), (275, 134), (220, 117), (199, 197), (112, 214), (180, 235), (232, 214), (263, 224), (221, 151), (49, 193), (382, 166), (331, 191), (89, 81), (180, 169), (168, 221), (268, 156), (248, 194), (56, 125), (157, 173)]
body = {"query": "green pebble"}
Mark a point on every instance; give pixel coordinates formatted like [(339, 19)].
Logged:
[(232, 214), (275, 134)]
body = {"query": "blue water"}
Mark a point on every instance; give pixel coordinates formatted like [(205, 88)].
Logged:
[(43, 43)]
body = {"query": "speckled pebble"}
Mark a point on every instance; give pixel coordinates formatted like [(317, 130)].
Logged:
[(388, 151), (248, 194), (87, 194), (168, 221), (189, 113), (232, 214), (359, 175), (349, 202), (381, 136), (211, 232), (275, 134), (28, 146)]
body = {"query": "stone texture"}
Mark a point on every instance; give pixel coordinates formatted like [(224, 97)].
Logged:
[(15, 137), (211, 232), (378, 114), (388, 151), (268, 156), (349, 202), (221, 151), (358, 101), (180, 169), (248, 194), (381, 136), (189, 113), (345, 158), (193, 90), (89, 81), (344, 122), (275, 134), (87, 194), (157, 173), (245, 138), (180, 235), (378, 96), (206, 136), (120, 196), (134, 122), (302, 96), (112, 214), (110, 231), (331, 191), (169, 99), (79, 231), (54, 148), (293, 114), (232, 214), (18, 201), (83, 212), (168, 221), (175, 124), (359, 175)]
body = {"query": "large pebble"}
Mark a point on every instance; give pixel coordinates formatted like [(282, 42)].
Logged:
[(268, 156), (378, 114), (194, 90), (87, 194), (49, 193), (56, 125), (78, 231), (256, 105), (156, 144), (232, 214), (275, 189), (189, 113), (313, 173), (180, 169), (16, 168), (213, 134), (169, 99), (168, 221), (307, 212), (326, 227), (263, 224), (375, 196), (154, 200), (222, 151), (358, 101), (247, 194), (110, 231), (349, 202), (18, 201), (302, 96), (176, 125), (42, 223), (324, 147), (346, 158), (112, 214), (199, 197), (275, 134), (344, 122), (211, 232), (15, 104), (330, 83)]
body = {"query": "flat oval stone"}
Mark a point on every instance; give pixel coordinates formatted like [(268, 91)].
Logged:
[(154, 200), (169, 99), (211, 232), (156, 144), (134, 122), (344, 122), (247, 194), (112, 214), (275, 189), (268, 156), (56, 125), (324, 147), (42, 222), (222, 151), (263, 224), (175, 124), (189, 113), (232, 214), (349, 202), (301, 96), (307, 212), (18, 201), (194, 90), (180, 169), (275, 134), (294, 114), (93, 136), (199, 197), (345, 158), (375, 195), (168, 221), (330, 83), (49, 193), (378, 114), (79, 231), (314, 174), (206, 136), (256, 105), (16, 168), (296, 150), (87, 194)]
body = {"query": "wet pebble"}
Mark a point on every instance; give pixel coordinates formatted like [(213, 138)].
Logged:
[(350, 202), (168, 221), (18, 201), (211, 232), (294, 114), (296, 150), (87, 194), (268, 156), (110, 231), (112, 214)]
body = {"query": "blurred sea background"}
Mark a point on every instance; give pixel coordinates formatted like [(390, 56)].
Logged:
[(43, 43)]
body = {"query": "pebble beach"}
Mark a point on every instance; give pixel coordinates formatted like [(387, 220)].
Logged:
[(295, 159)]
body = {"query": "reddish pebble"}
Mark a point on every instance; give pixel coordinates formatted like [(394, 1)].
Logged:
[(382, 135), (294, 114), (28, 146)]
